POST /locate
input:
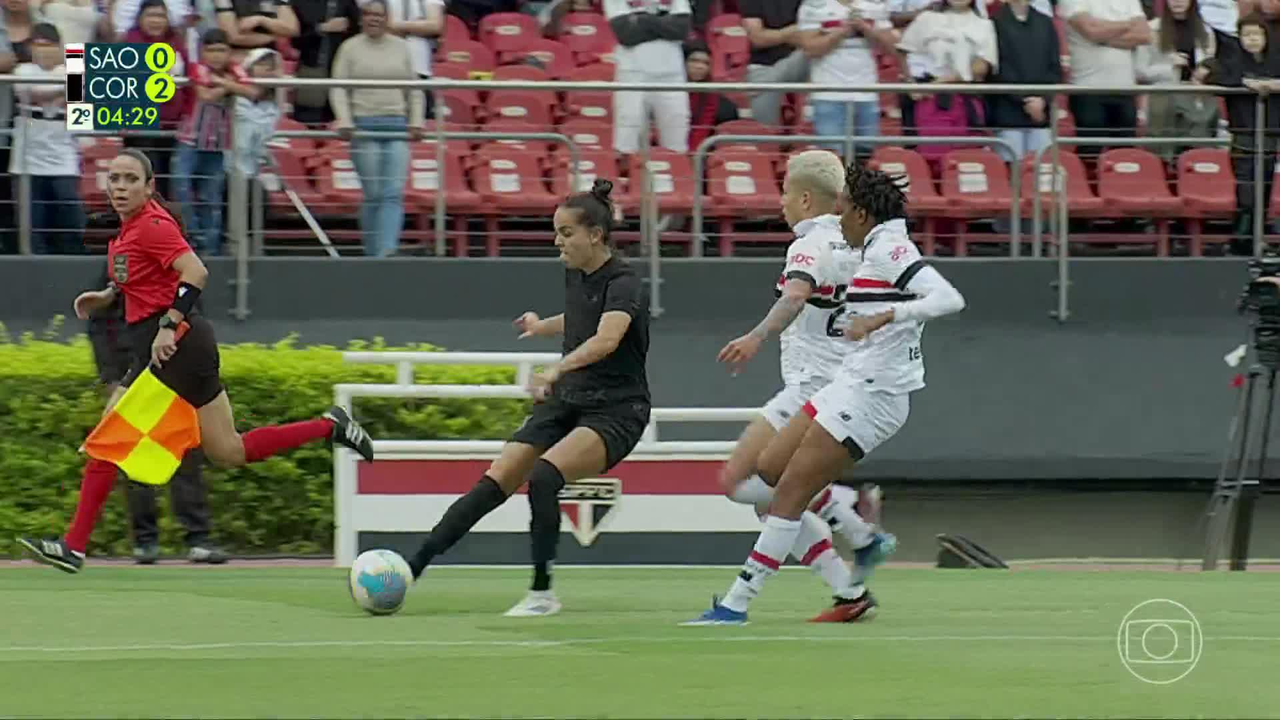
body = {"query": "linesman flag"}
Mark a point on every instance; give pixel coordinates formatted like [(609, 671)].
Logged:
[(147, 433)]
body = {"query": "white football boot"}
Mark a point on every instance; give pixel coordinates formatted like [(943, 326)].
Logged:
[(537, 603)]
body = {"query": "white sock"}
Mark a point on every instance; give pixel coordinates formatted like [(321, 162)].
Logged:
[(831, 506), (813, 548), (752, 491), (776, 540)]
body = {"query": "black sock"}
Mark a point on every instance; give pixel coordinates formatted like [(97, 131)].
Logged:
[(458, 520), (545, 482)]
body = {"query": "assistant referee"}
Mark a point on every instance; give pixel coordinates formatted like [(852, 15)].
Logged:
[(591, 407)]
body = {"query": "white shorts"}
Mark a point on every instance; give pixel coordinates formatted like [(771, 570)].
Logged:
[(861, 419), (784, 406)]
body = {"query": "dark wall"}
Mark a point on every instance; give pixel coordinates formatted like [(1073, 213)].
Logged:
[(1133, 385)]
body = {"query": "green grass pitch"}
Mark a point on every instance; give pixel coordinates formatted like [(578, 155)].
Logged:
[(173, 641)]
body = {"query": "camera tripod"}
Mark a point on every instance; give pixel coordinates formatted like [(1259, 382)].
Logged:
[(1235, 495)]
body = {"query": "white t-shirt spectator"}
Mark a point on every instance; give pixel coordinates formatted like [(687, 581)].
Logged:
[(1221, 15), (1093, 64), (76, 21), (851, 62), (420, 48), (655, 57), (41, 143), (950, 40), (918, 64)]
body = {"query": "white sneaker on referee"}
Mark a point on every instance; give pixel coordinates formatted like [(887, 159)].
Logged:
[(537, 603)]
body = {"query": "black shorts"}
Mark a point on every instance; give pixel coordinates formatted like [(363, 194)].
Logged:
[(619, 425), (192, 372), (112, 353)]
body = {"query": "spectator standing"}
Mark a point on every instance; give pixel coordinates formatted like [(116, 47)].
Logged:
[(1027, 47), (325, 24), (382, 163), (901, 14), (837, 37), (706, 110), (204, 138), (76, 20), (650, 33), (1183, 41), (45, 151), (256, 118), (773, 31), (1255, 66), (126, 14), (256, 23), (1102, 36), (155, 24), (419, 22), (8, 239)]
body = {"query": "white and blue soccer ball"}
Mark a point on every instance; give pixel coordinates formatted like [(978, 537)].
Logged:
[(379, 580)]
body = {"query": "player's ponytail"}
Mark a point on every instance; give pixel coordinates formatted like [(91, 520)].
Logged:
[(595, 208), (148, 172)]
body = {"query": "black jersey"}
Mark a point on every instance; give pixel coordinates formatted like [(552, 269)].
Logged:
[(620, 375)]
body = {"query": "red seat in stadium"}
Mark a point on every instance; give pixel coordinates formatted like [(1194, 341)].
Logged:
[(1133, 182), (730, 49), (462, 107), (588, 36), (589, 104), (593, 164), (595, 72), (923, 199), (472, 55), (1206, 189), (532, 106), (518, 125), (555, 57), (1081, 202), (424, 182), (509, 181), (671, 175), (975, 183), (520, 72), (588, 132), (740, 181), (455, 31), (288, 170), (508, 33), (337, 181)]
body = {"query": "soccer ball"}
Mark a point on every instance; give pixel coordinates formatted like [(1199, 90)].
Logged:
[(379, 580)]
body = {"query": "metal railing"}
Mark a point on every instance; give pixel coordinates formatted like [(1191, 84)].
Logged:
[(239, 228), (700, 156)]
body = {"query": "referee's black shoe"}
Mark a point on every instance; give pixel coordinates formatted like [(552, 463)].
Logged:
[(53, 552), (348, 432)]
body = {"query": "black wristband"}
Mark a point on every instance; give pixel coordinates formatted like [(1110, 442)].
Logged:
[(184, 301)]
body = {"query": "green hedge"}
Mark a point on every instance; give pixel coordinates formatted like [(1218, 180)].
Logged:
[(50, 399)]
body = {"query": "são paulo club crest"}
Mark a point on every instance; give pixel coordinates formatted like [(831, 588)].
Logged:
[(588, 504)]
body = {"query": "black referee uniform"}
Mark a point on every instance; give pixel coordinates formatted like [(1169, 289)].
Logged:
[(610, 396)]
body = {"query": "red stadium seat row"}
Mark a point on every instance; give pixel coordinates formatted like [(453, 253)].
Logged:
[(508, 38)]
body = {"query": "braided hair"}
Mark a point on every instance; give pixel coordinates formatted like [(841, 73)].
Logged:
[(878, 193), (595, 209)]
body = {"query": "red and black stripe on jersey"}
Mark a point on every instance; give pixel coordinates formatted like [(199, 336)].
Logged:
[(826, 297), (894, 291)]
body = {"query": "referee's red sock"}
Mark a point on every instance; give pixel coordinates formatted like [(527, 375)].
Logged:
[(261, 443), (95, 488)]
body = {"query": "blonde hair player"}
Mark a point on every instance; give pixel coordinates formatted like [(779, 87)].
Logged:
[(892, 294), (805, 317)]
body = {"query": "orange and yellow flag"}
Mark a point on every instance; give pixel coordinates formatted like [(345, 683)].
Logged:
[(147, 432)]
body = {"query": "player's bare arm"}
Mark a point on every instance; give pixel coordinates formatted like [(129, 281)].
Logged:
[(794, 295), (530, 325), (613, 326)]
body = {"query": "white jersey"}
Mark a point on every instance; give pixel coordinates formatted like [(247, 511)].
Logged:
[(889, 359), (655, 57), (852, 61), (812, 345)]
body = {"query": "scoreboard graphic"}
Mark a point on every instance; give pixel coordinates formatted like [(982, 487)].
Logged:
[(118, 86)]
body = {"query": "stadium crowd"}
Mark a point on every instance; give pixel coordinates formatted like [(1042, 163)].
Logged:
[(223, 44)]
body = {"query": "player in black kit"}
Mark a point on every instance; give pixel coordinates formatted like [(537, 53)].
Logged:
[(591, 407)]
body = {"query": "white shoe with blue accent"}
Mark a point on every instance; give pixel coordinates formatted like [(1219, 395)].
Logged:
[(718, 615), (866, 558), (536, 604)]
